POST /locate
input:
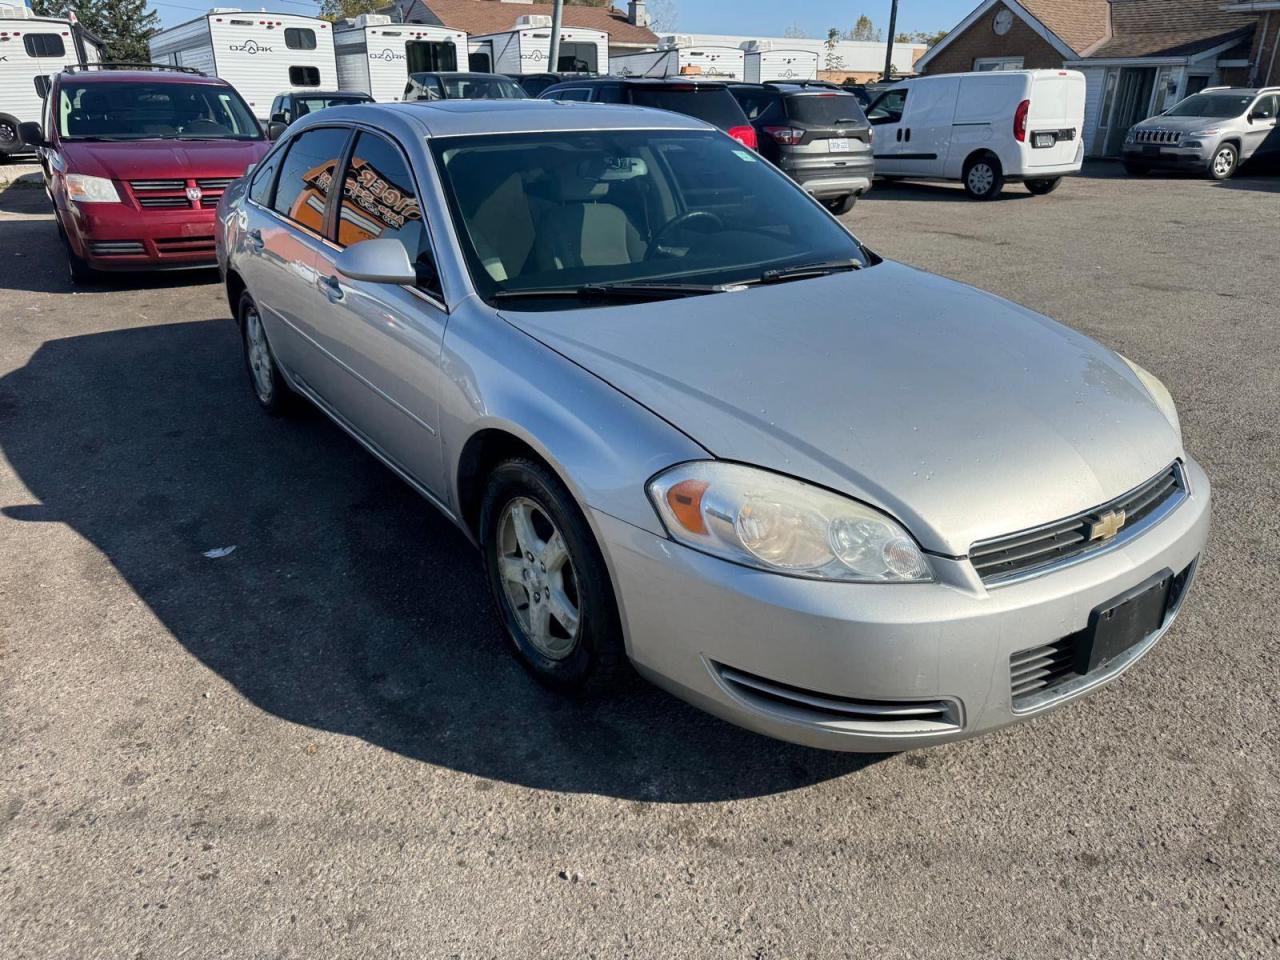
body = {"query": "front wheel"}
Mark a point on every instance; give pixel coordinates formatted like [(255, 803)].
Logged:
[(1042, 188), (983, 178), (77, 266), (273, 394), (841, 205), (548, 578), (1225, 160)]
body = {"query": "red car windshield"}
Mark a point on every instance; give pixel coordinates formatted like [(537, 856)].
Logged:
[(132, 110)]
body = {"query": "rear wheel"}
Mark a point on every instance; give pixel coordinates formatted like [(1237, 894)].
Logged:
[(10, 139), (841, 205), (1225, 160), (548, 578), (1043, 187), (983, 178), (1136, 169)]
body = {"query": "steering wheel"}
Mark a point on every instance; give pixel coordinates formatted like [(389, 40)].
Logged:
[(709, 220)]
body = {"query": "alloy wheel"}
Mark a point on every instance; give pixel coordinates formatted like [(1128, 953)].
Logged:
[(260, 364), (538, 578), (1223, 162)]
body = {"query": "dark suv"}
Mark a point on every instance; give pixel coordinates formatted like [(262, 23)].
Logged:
[(705, 100), (817, 134), (534, 83)]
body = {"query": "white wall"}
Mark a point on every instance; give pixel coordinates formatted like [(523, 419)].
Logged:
[(855, 55)]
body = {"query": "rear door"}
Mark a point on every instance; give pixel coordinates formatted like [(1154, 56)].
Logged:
[(832, 130), (1055, 120)]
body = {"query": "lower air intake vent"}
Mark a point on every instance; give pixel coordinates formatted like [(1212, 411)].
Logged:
[(1031, 671), (889, 717), (116, 248)]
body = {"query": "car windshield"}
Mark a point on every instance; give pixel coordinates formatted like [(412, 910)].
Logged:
[(715, 105), (308, 105), (482, 88), (548, 213), (138, 110), (1212, 105)]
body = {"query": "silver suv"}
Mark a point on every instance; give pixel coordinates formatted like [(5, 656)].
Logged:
[(1215, 130)]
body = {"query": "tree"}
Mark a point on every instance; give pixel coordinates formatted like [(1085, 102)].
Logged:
[(921, 36), (796, 32), (124, 26), (865, 30), (834, 60), (335, 10)]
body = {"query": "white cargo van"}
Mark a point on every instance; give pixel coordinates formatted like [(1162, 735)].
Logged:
[(678, 56), (260, 54), (526, 48), (765, 62), (32, 48), (376, 56), (983, 129)]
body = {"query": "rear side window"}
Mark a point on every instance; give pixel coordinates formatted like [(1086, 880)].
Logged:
[(825, 109), (713, 104), (755, 103), (304, 76), (264, 179), (306, 176), (299, 38), (44, 45)]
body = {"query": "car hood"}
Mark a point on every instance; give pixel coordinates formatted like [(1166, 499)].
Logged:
[(1182, 124), (163, 159), (962, 414)]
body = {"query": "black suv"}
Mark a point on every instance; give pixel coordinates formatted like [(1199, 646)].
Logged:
[(815, 133), (289, 107), (705, 100), (534, 83), (462, 86)]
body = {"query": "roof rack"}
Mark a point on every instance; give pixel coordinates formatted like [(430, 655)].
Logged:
[(85, 67)]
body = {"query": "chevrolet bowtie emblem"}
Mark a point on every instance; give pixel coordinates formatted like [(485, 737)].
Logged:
[(1107, 525)]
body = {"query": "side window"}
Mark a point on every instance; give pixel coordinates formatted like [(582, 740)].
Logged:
[(304, 76), (44, 45), (264, 179), (573, 93), (888, 108), (299, 38), (610, 93), (306, 176), (1265, 108), (380, 201)]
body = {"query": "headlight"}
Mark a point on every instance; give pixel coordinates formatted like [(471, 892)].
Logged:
[(1159, 392), (782, 525), (91, 189), (1210, 132)]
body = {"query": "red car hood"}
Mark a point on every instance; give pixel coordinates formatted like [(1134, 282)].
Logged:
[(163, 159)]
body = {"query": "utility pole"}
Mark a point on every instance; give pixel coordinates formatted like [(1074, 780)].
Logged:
[(893, 29), (557, 14)]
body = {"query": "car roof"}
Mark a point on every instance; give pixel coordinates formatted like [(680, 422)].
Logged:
[(328, 93), (653, 81), (148, 76), (451, 118)]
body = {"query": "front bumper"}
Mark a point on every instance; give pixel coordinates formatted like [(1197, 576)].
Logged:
[(117, 236), (1168, 156), (930, 663)]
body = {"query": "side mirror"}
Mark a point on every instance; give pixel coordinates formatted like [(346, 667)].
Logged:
[(276, 129), (1259, 115), (32, 134), (377, 261)]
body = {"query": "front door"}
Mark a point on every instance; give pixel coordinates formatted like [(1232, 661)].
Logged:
[(887, 113), (1261, 132), (1132, 104), (384, 339)]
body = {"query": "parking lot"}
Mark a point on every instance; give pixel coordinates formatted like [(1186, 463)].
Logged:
[(317, 745)]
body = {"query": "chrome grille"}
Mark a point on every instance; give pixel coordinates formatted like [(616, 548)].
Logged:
[(142, 185), (1158, 136), (872, 716), (1032, 551)]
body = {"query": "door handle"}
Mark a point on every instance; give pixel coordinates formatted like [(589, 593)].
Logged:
[(908, 134), (255, 240), (331, 288)]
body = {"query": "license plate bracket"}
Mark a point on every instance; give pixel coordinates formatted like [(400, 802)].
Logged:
[(1124, 622), (1043, 141)]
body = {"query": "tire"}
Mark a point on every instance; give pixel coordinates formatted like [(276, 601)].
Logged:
[(841, 205), (1042, 188), (10, 140), (269, 387), (81, 273), (1226, 159), (1136, 169), (536, 544), (983, 178)]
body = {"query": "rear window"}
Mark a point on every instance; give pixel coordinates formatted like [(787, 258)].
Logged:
[(44, 45), (827, 109), (299, 38), (713, 104)]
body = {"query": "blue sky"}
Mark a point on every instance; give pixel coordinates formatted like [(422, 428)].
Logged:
[(767, 19)]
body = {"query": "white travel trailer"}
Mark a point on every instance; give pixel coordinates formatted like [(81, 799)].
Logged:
[(32, 48), (260, 54), (679, 56), (765, 61), (526, 48), (376, 56)]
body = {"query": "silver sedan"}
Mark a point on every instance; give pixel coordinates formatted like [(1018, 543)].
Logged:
[(693, 424)]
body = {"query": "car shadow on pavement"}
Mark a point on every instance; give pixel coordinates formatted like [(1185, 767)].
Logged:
[(945, 192), (348, 604)]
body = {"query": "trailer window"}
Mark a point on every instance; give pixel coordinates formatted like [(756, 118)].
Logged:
[(299, 38), (44, 45), (578, 58), (427, 56), (304, 76)]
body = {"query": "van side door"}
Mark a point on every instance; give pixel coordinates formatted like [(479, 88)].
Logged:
[(926, 127)]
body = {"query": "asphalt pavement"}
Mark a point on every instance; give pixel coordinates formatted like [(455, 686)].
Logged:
[(316, 745)]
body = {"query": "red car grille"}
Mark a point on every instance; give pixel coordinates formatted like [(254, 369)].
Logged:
[(185, 245), (172, 194)]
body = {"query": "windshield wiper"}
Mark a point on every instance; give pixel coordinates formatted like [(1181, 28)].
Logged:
[(823, 269), (614, 291)]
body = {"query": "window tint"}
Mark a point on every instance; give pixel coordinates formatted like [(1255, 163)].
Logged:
[(481, 88), (1265, 108), (304, 76), (715, 105), (306, 177), (264, 179), (572, 93), (754, 103), (889, 107), (299, 38), (578, 58), (380, 201), (44, 45), (825, 109), (610, 93)]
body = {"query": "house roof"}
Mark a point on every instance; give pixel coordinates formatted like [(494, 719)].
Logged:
[(1079, 23), (478, 17), (1171, 28)]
